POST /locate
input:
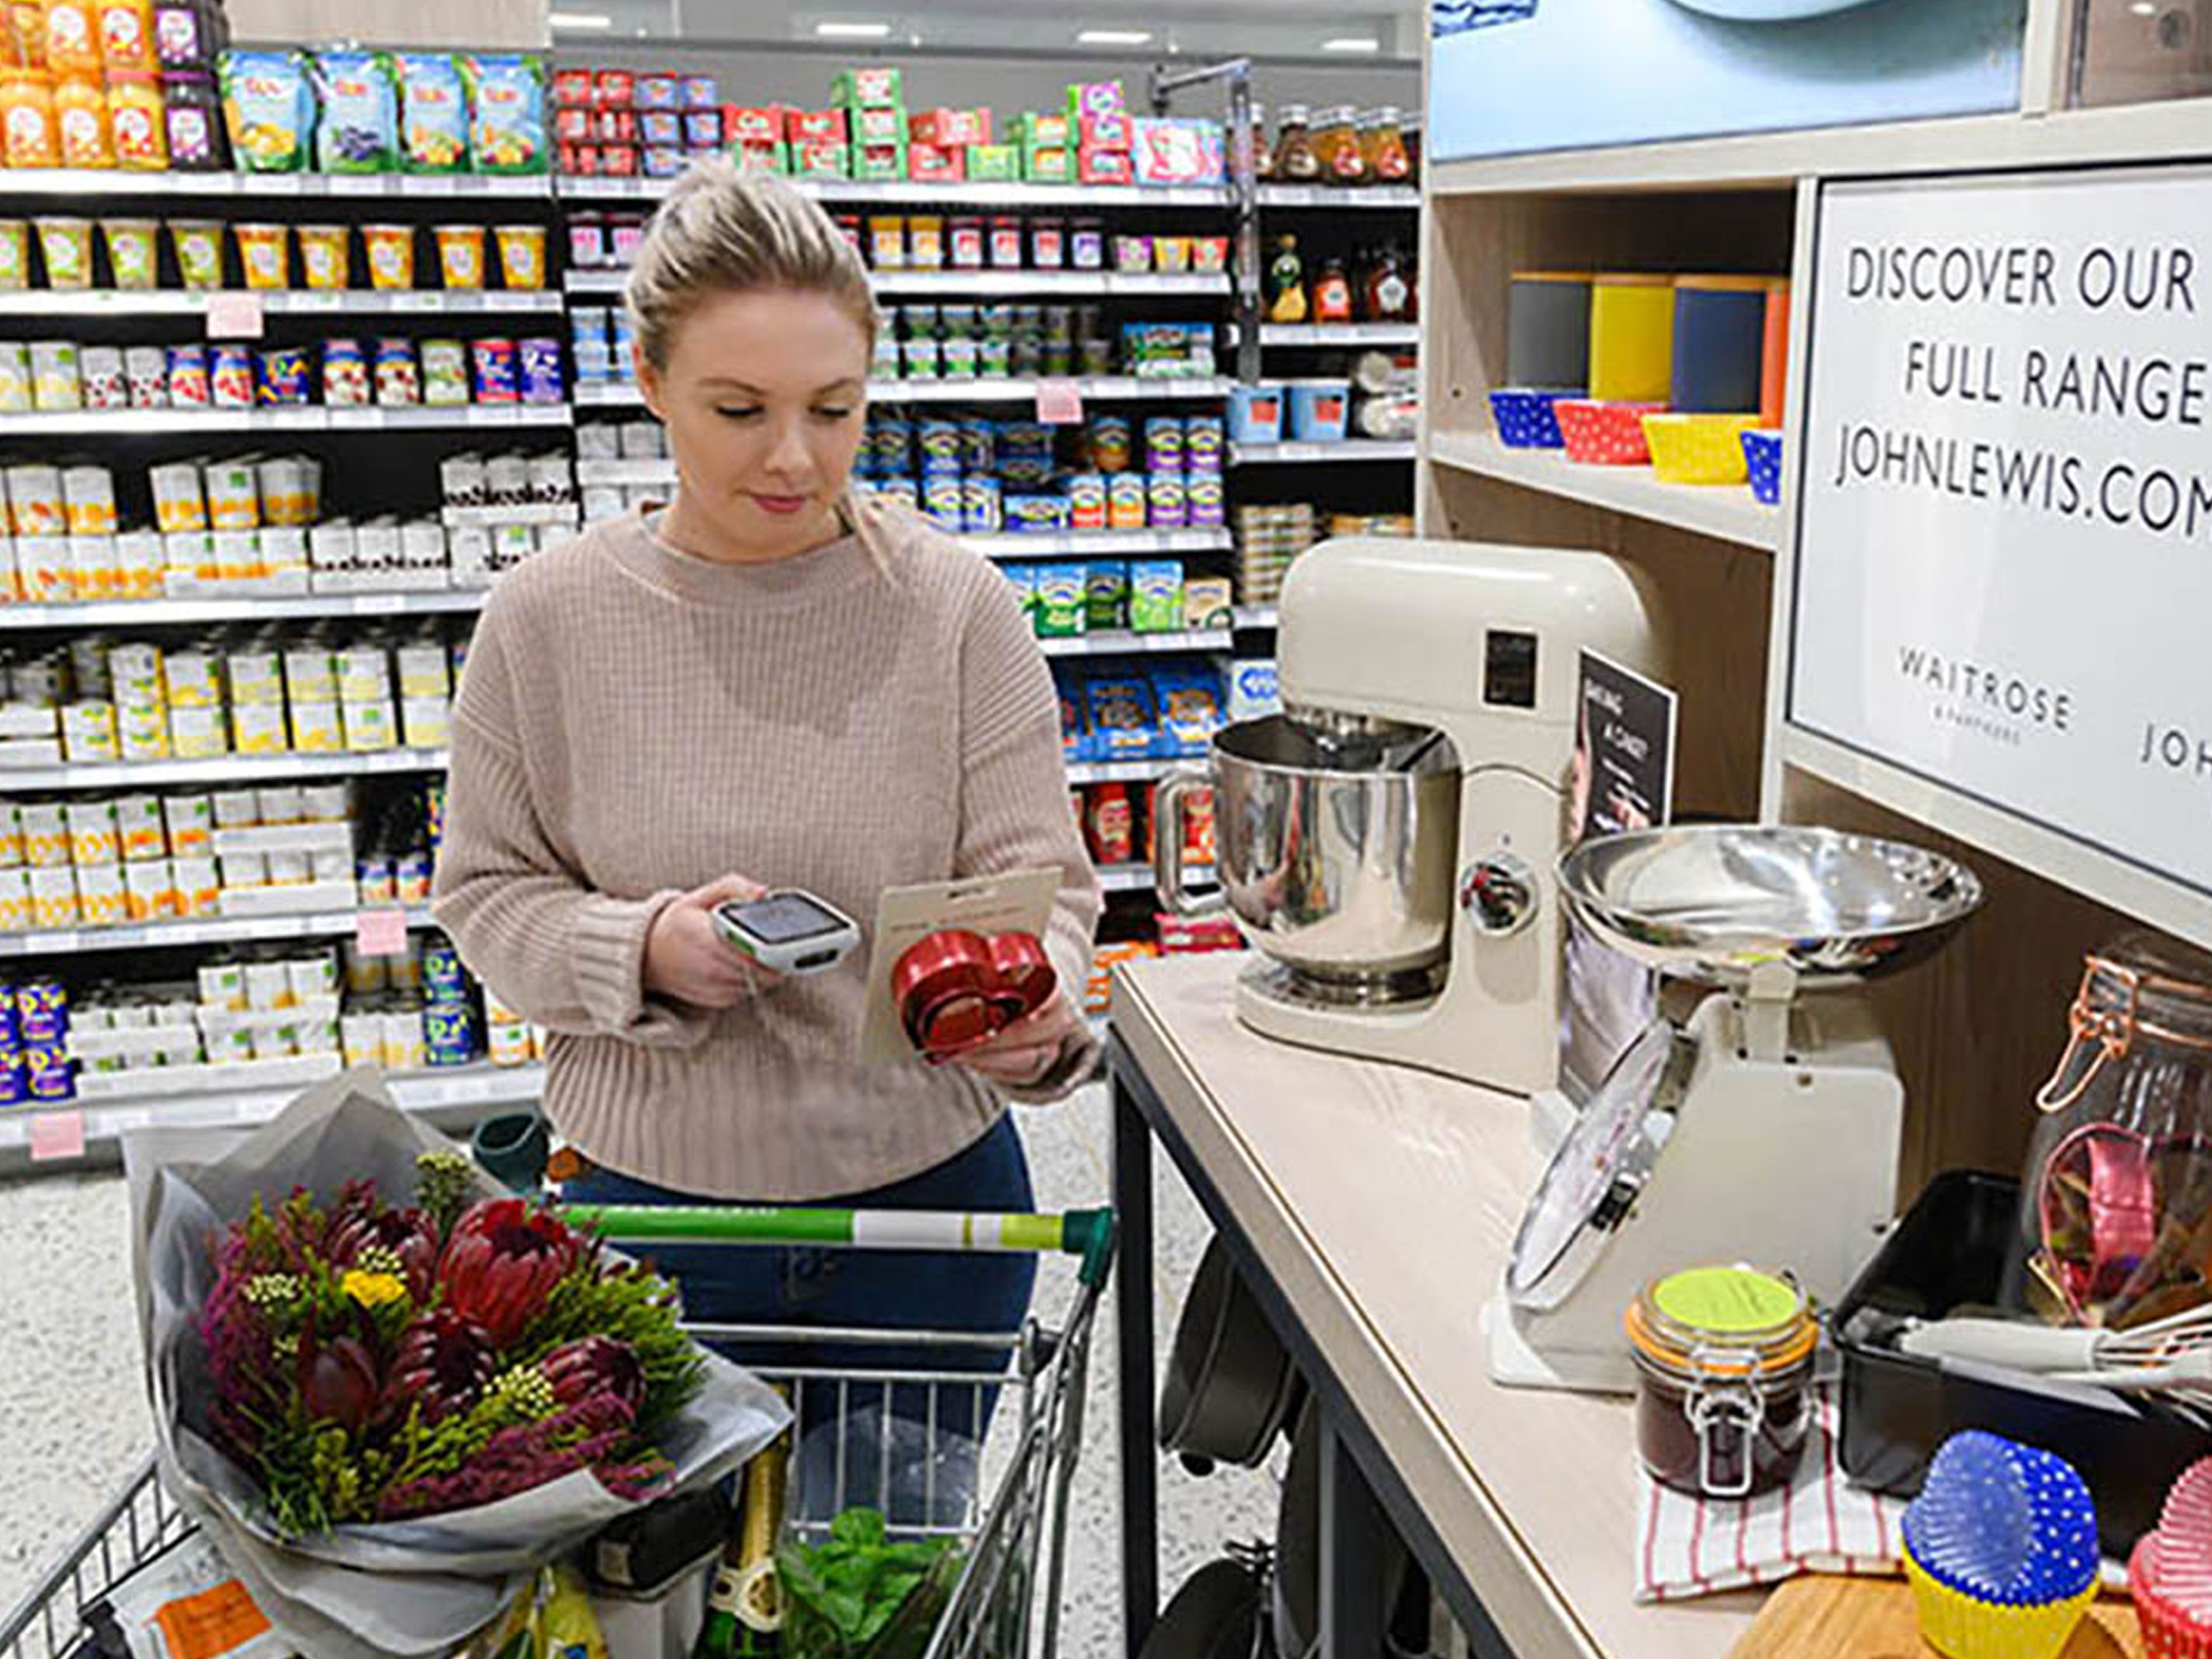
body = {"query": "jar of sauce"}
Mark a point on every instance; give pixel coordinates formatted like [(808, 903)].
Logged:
[(1336, 142), (1295, 160), (1724, 1368), (1263, 153), (1386, 297), (1382, 142)]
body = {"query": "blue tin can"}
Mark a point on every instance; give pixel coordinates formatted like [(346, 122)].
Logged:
[(15, 1084), (982, 506), (449, 1032), (979, 445), (42, 1010), (444, 979), (943, 501), (49, 1073), (894, 446), (539, 361)]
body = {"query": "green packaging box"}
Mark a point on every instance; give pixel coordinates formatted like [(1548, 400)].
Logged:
[(1155, 596), (993, 163), (871, 88)]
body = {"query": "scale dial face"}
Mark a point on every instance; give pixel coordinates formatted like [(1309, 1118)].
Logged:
[(1599, 1169)]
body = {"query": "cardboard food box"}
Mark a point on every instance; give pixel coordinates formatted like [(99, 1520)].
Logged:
[(1048, 131), (936, 163), (875, 86), (1104, 132), (1169, 151), (1049, 166), (1095, 97), (879, 162), (1105, 166), (950, 127), (991, 163), (752, 124), (879, 125), (821, 158), (756, 157), (813, 125)]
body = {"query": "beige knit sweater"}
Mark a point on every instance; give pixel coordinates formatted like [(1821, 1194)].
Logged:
[(635, 722)]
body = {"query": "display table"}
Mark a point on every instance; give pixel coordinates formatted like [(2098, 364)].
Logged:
[(1370, 1208)]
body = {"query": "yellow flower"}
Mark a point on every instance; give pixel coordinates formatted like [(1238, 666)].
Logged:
[(372, 1289)]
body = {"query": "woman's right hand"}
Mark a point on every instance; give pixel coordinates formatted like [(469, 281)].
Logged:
[(686, 960)]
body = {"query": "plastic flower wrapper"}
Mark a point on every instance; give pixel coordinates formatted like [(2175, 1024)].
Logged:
[(440, 1547)]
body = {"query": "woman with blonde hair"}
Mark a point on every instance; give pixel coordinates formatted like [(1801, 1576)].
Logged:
[(774, 683)]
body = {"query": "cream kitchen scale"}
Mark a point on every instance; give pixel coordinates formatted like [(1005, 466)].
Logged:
[(1765, 1129)]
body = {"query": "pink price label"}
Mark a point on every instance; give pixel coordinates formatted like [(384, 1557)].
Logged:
[(1058, 403), (380, 933), (56, 1134), (234, 316)]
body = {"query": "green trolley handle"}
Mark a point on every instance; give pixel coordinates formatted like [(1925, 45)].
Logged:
[(1088, 1234)]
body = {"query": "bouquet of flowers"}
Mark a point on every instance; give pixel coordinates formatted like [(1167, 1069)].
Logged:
[(389, 1392), (374, 1362)]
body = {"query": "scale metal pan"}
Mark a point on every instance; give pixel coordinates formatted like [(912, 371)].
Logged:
[(1710, 901)]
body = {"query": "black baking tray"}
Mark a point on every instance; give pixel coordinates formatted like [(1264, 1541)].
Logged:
[(1956, 1249)]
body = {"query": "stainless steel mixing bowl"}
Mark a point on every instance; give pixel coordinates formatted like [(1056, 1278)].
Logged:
[(1334, 850)]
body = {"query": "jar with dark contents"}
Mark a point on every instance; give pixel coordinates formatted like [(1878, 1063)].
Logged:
[(1724, 1368)]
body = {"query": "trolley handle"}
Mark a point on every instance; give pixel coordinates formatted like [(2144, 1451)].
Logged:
[(1088, 1234)]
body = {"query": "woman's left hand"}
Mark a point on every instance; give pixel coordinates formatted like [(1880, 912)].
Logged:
[(1024, 1051)]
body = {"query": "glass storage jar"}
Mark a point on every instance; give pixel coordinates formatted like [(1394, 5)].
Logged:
[(1724, 1369), (2117, 1204), (1336, 142), (1383, 143), (1295, 160)]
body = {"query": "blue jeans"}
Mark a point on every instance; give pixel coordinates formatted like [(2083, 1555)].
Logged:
[(912, 1453)]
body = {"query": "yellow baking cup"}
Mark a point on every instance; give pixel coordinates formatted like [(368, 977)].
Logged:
[(1961, 1628), (1697, 449)]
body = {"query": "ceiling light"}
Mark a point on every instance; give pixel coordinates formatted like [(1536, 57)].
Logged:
[(1353, 43), (2143, 8), (1113, 36), (853, 31), (579, 19)]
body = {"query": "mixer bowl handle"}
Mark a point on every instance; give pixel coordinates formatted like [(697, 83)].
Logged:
[(1167, 843)]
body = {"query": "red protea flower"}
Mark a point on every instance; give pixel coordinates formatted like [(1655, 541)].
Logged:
[(407, 1234), (337, 1380), (442, 1364), (596, 1365), (500, 1263)]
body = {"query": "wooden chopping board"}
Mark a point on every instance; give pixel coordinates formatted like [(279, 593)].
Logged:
[(1820, 1617)]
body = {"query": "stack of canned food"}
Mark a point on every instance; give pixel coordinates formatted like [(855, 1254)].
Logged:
[(100, 861), (390, 372), (325, 687)]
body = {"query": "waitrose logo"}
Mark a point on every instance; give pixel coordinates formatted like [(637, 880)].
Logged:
[(1987, 698)]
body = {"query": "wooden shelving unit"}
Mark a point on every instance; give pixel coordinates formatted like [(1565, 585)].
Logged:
[(1977, 1029)]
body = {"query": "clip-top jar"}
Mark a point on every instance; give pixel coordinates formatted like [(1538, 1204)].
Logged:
[(1724, 1365), (2118, 1184)]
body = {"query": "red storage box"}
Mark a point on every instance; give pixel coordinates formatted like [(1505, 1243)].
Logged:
[(949, 127), (743, 124), (936, 163), (816, 125), (1105, 166)]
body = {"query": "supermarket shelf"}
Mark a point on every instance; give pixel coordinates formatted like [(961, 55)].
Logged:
[(322, 302), (1099, 544), (1254, 615), (1110, 284), (119, 422), (1403, 197), (633, 472), (1139, 878), (954, 195), (1725, 512), (66, 181), (218, 768), (155, 612), (527, 513), (1340, 334), (1105, 388), (1132, 771), (208, 930), (454, 1097), (1121, 641), (1350, 449)]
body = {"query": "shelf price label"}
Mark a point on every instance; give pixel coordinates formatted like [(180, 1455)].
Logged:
[(57, 1135), (1059, 403), (380, 933), (235, 315)]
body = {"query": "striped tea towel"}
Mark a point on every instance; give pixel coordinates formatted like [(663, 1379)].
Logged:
[(1689, 1547)]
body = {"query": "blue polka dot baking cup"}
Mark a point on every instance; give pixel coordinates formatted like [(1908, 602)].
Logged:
[(1762, 454), (1524, 417), (2000, 1550)]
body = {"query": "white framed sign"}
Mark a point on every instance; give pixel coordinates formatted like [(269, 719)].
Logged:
[(2003, 558)]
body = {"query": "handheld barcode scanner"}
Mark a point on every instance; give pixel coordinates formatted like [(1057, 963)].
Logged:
[(788, 931)]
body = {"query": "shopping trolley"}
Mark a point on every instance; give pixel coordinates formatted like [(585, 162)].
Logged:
[(1010, 1523)]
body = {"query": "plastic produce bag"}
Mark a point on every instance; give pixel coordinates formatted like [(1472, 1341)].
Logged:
[(434, 113), (386, 1590), (358, 128), (507, 112), (269, 110)]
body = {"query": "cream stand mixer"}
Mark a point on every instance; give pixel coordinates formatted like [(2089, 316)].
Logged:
[(1388, 843)]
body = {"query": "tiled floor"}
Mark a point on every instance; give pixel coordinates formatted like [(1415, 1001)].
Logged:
[(73, 1416)]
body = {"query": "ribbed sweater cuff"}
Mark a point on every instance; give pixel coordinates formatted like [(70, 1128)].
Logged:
[(607, 942)]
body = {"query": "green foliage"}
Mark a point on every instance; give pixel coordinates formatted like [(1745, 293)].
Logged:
[(859, 1595), (632, 1307), (444, 1182)]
